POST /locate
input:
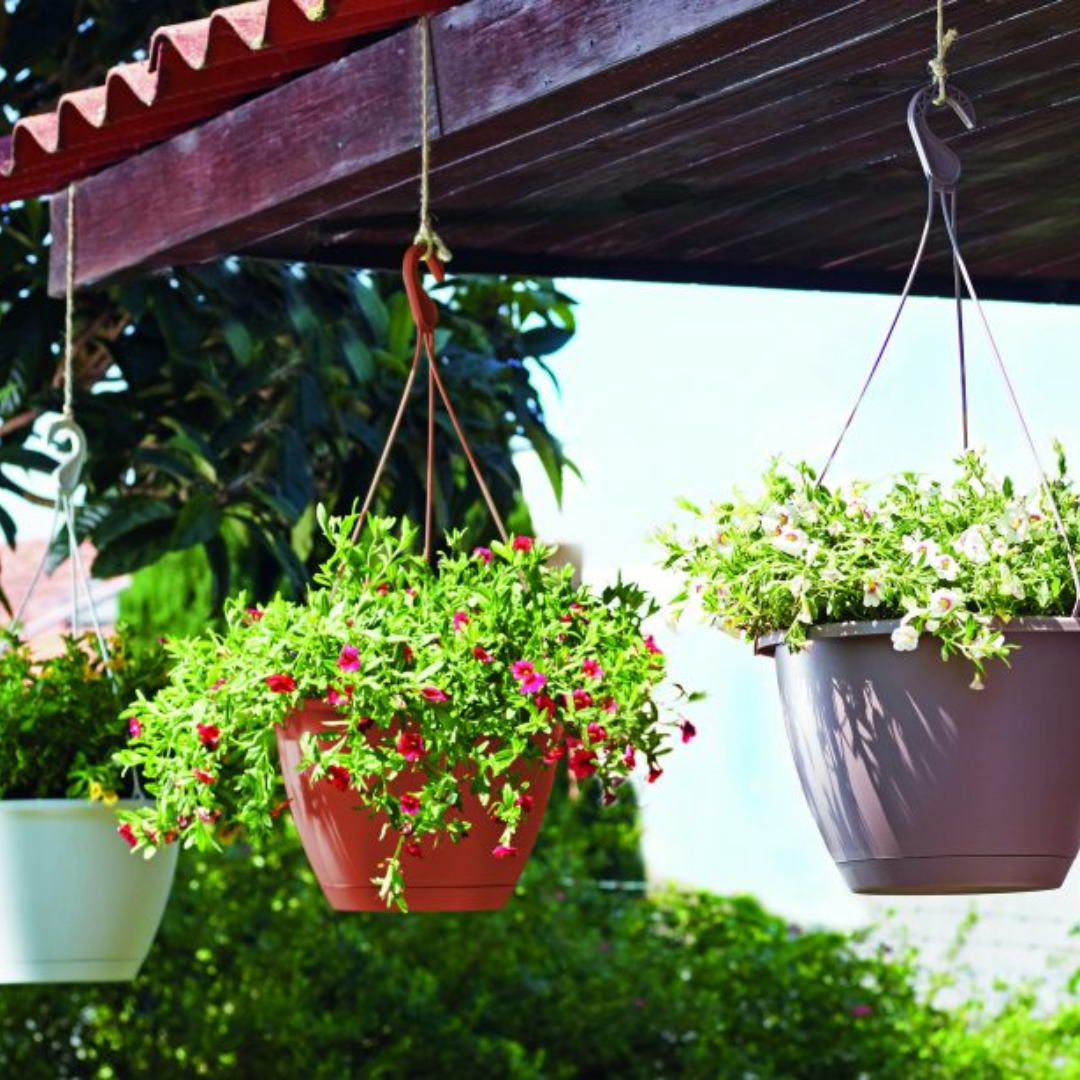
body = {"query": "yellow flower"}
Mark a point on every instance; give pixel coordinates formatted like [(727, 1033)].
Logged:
[(109, 798), (96, 790)]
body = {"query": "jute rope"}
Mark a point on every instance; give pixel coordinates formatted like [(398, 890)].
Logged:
[(946, 39), (426, 236)]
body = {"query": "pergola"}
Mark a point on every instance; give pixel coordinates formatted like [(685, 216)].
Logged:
[(748, 142)]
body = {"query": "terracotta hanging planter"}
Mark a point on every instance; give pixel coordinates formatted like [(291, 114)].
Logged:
[(920, 784), (346, 846), (75, 906)]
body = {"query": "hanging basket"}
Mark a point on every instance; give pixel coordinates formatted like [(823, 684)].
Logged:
[(345, 845), (920, 784), (75, 906)]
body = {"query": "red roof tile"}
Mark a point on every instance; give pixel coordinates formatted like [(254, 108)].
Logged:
[(193, 71)]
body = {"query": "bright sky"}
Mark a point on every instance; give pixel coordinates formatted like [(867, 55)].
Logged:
[(682, 390)]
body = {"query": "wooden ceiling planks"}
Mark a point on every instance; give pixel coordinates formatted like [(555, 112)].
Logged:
[(736, 141)]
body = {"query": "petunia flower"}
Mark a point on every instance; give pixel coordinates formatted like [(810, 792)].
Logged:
[(546, 704), (410, 805), (483, 655), (281, 684), (582, 699), (651, 646), (435, 695), (339, 776), (525, 801), (254, 614), (335, 697), (905, 638), (407, 654), (413, 848), (522, 670), (523, 543), (630, 758), (410, 745), (655, 772), (688, 730), (554, 754), (209, 735), (534, 684), (591, 669), (597, 734), (134, 727), (349, 658), (203, 776), (504, 851), (485, 555), (127, 834), (582, 762), (460, 620)]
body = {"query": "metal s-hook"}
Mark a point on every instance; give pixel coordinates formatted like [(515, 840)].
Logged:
[(424, 311), (939, 162), (69, 471)]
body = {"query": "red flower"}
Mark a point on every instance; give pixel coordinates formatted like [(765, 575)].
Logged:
[(546, 704), (611, 706), (281, 684), (629, 758), (349, 658), (582, 699), (523, 543), (554, 754), (203, 776), (609, 798), (655, 772), (502, 851), (483, 655), (597, 734), (592, 669), (410, 805), (134, 727), (209, 735), (410, 745), (582, 762), (334, 698), (127, 834), (435, 695), (688, 731), (413, 848), (525, 801), (382, 589), (339, 776), (651, 646), (253, 614), (485, 555), (460, 620), (407, 654), (365, 723)]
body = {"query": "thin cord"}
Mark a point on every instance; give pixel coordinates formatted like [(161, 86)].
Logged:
[(961, 343), (888, 337), (426, 234), (69, 311), (946, 39)]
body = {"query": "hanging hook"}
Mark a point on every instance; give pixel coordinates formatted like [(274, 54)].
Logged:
[(939, 162), (69, 471), (424, 311)]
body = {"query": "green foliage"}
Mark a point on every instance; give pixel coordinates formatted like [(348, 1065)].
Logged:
[(953, 562), (484, 664), (231, 399), (60, 720)]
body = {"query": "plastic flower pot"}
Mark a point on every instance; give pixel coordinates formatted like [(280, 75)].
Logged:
[(920, 784), (345, 846), (76, 905)]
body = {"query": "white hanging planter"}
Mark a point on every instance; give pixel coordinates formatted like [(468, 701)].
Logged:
[(75, 904)]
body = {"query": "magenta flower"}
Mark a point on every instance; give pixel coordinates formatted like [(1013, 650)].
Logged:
[(554, 754), (534, 684), (861, 1010), (596, 733), (411, 746), (253, 614), (410, 805), (413, 848), (209, 735), (483, 655), (335, 698), (485, 555), (630, 758), (611, 706), (503, 851), (134, 727), (522, 670), (582, 699), (523, 543), (525, 801), (546, 704), (582, 763), (531, 680), (349, 658), (655, 772), (651, 646), (435, 695), (591, 669), (688, 731), (460, 620)]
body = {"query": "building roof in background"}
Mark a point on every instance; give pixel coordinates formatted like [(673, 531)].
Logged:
[(192, 71)]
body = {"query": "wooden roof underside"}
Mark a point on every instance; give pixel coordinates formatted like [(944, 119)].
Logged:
[(720, 141)]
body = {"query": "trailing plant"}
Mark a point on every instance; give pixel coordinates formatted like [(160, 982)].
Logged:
[(465, 672), (60, 721), (954, 563)]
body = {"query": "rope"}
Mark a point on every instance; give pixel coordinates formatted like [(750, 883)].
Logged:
[(946, 39), (426, 234), (69, 311)]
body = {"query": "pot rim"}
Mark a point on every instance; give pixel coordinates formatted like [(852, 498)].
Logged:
[(767, 644), (71, 807)]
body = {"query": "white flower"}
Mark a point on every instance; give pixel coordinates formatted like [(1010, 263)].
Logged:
[(857, 508), (724, 544), (1011, 585), (971, 543), (790, 540), (836, 528), (1014, 523), (905, 638), (943, 601), (999, 547), (872, 592), (813, 549), (805, 510), (946, 566), (730, 626), (799, 586), (921, 551)]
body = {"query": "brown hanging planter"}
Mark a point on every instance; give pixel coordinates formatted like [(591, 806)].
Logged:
[(346, 845), (920, 784)]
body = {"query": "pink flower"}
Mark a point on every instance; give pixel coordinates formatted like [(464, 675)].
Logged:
[(339, 776), (134, 727), (483, 655), (861, 1010), (502, 851), (411, 746), (688, 731), (203, 776), (349, 658), (253, 614), (410, 805), (611, 706), (534, 684), (531, 680), (127, 834), (209, 735), (522, 670), (523, 543), (651, 646), (583, 763), (435, 695), (217, 686), (554, 754), (460, 620), (413, 848), (281, 684), (582, 699), (334, 698), (630, 758), (592, 670), (485, 555), (525, 801), (597, 734), (655, 772)]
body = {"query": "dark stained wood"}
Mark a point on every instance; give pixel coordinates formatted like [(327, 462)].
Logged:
[(732, 141)]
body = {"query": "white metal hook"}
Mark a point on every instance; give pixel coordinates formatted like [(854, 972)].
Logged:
[(69, 471)]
